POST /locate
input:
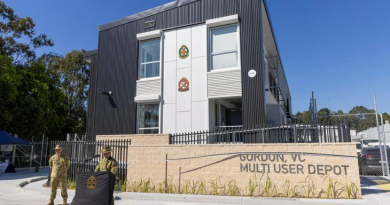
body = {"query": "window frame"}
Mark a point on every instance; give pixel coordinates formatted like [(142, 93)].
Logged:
[(209, 48), (159, 117), (140, 60)]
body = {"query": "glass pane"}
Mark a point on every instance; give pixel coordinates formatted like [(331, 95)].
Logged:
[(149, 131), (228, 60), (224, 39), (150, 51), (148, 116), (150, 70)]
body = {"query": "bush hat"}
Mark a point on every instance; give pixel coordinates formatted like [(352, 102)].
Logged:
[(106, 150), (58, 147)]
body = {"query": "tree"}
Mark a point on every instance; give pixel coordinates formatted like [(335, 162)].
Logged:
[(324, 115), (14, 28), (362, 121), (39, 95), (386, 117), (37, 109), (74, 74), (9, 83), (302, 117)]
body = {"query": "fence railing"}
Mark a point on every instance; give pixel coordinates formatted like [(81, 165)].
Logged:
[(289, 133), (85, 155)]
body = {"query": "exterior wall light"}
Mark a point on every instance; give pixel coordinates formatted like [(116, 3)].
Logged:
[(109, 93)]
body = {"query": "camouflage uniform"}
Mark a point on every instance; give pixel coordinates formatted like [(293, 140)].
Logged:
[(58, 166), (109, 165)]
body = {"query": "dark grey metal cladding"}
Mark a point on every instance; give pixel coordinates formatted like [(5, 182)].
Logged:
[(145, 14), (252, 57), (118, 51), (118, 60), (93, 57)]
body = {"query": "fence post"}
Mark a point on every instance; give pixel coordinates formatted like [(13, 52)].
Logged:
[(43, 139), (386, 161), (13, 154), (32, 152)]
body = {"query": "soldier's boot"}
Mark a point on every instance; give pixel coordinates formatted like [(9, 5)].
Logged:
[(64, 202), (51, 202)]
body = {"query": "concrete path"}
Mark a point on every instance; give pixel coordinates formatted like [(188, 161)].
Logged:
[(35, 194), (374, 189)]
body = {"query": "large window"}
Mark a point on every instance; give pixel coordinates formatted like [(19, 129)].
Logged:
[(223, 47), (150, 59), (148, 119)]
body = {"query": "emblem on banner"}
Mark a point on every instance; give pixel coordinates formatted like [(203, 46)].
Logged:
[(184, 85), (91, 182), (184, 52)]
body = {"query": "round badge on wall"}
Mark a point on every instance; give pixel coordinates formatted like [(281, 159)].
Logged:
[(184, 52), (184, 85), (252, 73)]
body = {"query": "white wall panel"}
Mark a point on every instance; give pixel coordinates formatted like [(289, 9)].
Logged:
[(199, 41), (185, 111), (183, 122), (170, 85), (183, 99), (199, 116), (170, 52), (199, 79), (169, 118), (184, 38)]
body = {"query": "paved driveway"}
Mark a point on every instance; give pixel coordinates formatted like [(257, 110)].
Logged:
[(376, 189)]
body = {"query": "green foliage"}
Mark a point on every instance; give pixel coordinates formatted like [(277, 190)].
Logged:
[(302, 117), (215, 187), (267, 188), (9, 83), (386, 117), (121, 185), (233, 189), (71, 184), (334, 188), (252, 185), (33, 101), (309, 188), (74, 74), (350, 189), (360, 122), (14, 28)]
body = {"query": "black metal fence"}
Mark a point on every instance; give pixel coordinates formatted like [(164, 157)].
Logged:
[(289, 133), (85, 155)]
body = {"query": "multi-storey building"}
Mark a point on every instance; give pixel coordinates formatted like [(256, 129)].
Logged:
[(188, 65)]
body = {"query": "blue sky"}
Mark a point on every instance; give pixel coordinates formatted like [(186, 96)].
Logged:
[(340, 49)]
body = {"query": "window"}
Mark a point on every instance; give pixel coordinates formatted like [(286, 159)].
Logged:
[(150, 59), (223, 47), (148, 119)]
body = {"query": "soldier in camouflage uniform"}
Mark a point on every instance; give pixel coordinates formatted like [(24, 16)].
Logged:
[(59, 164), (108, 163)]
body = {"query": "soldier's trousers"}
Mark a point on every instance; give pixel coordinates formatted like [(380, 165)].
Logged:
[(54, 184)]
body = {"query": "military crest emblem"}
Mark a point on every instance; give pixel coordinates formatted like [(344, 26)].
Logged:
[(184, 85), (184, 52), (91, 182)]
